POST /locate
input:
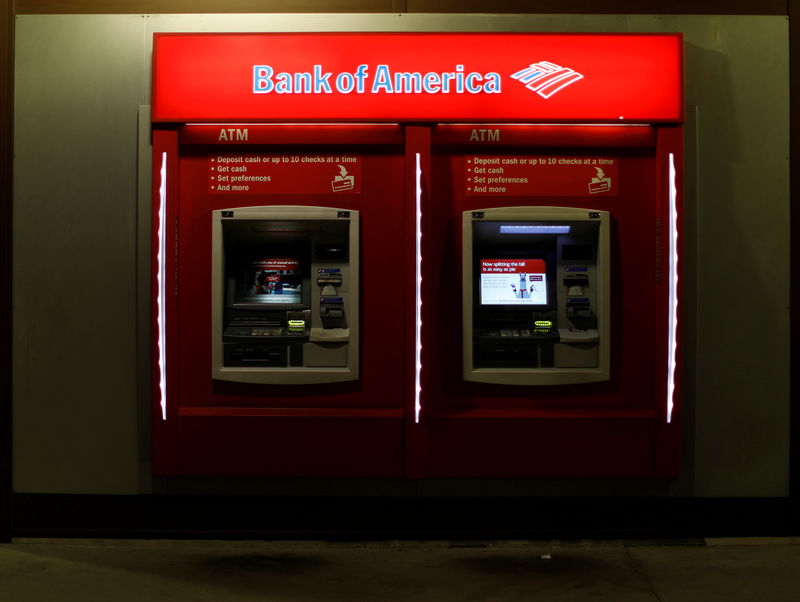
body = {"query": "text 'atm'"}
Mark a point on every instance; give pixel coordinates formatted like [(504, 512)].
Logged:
[(284, 294), (536, 295)]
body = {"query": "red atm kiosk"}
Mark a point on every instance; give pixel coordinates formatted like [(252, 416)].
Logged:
[(417, 254)]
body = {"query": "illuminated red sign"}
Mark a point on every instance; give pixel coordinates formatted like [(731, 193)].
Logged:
[(541, 175), (264, 173), (440, 77)]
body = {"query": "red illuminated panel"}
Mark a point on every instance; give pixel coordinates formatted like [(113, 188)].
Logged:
[(541, 175), (284, 173), (421, 77)]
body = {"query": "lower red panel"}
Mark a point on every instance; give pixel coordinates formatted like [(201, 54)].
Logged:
[(290, 446), (541, 448)]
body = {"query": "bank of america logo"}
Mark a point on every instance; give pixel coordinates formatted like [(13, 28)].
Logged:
[(546, 78)]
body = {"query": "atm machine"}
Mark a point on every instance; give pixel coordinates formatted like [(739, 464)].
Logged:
[(536, 309), (567, 338), (284, 294)]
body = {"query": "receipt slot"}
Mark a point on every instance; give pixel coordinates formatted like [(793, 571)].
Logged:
[(536, 307), (285, 295)]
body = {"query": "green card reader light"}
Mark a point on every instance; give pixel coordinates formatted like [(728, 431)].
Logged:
[(296, 326)]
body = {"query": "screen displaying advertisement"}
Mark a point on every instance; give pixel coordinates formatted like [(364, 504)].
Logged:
[(513, 282), (271, 280)]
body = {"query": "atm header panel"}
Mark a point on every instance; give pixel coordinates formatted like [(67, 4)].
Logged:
[(433, 77)]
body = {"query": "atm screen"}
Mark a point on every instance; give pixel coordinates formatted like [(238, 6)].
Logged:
[(513, 282), (271, 281)]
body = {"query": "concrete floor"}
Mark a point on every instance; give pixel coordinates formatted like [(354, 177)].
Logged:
[(727, 570)]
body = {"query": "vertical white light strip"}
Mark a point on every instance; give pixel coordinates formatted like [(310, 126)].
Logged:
[(161, 258), (673, 286), (418, 321)]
